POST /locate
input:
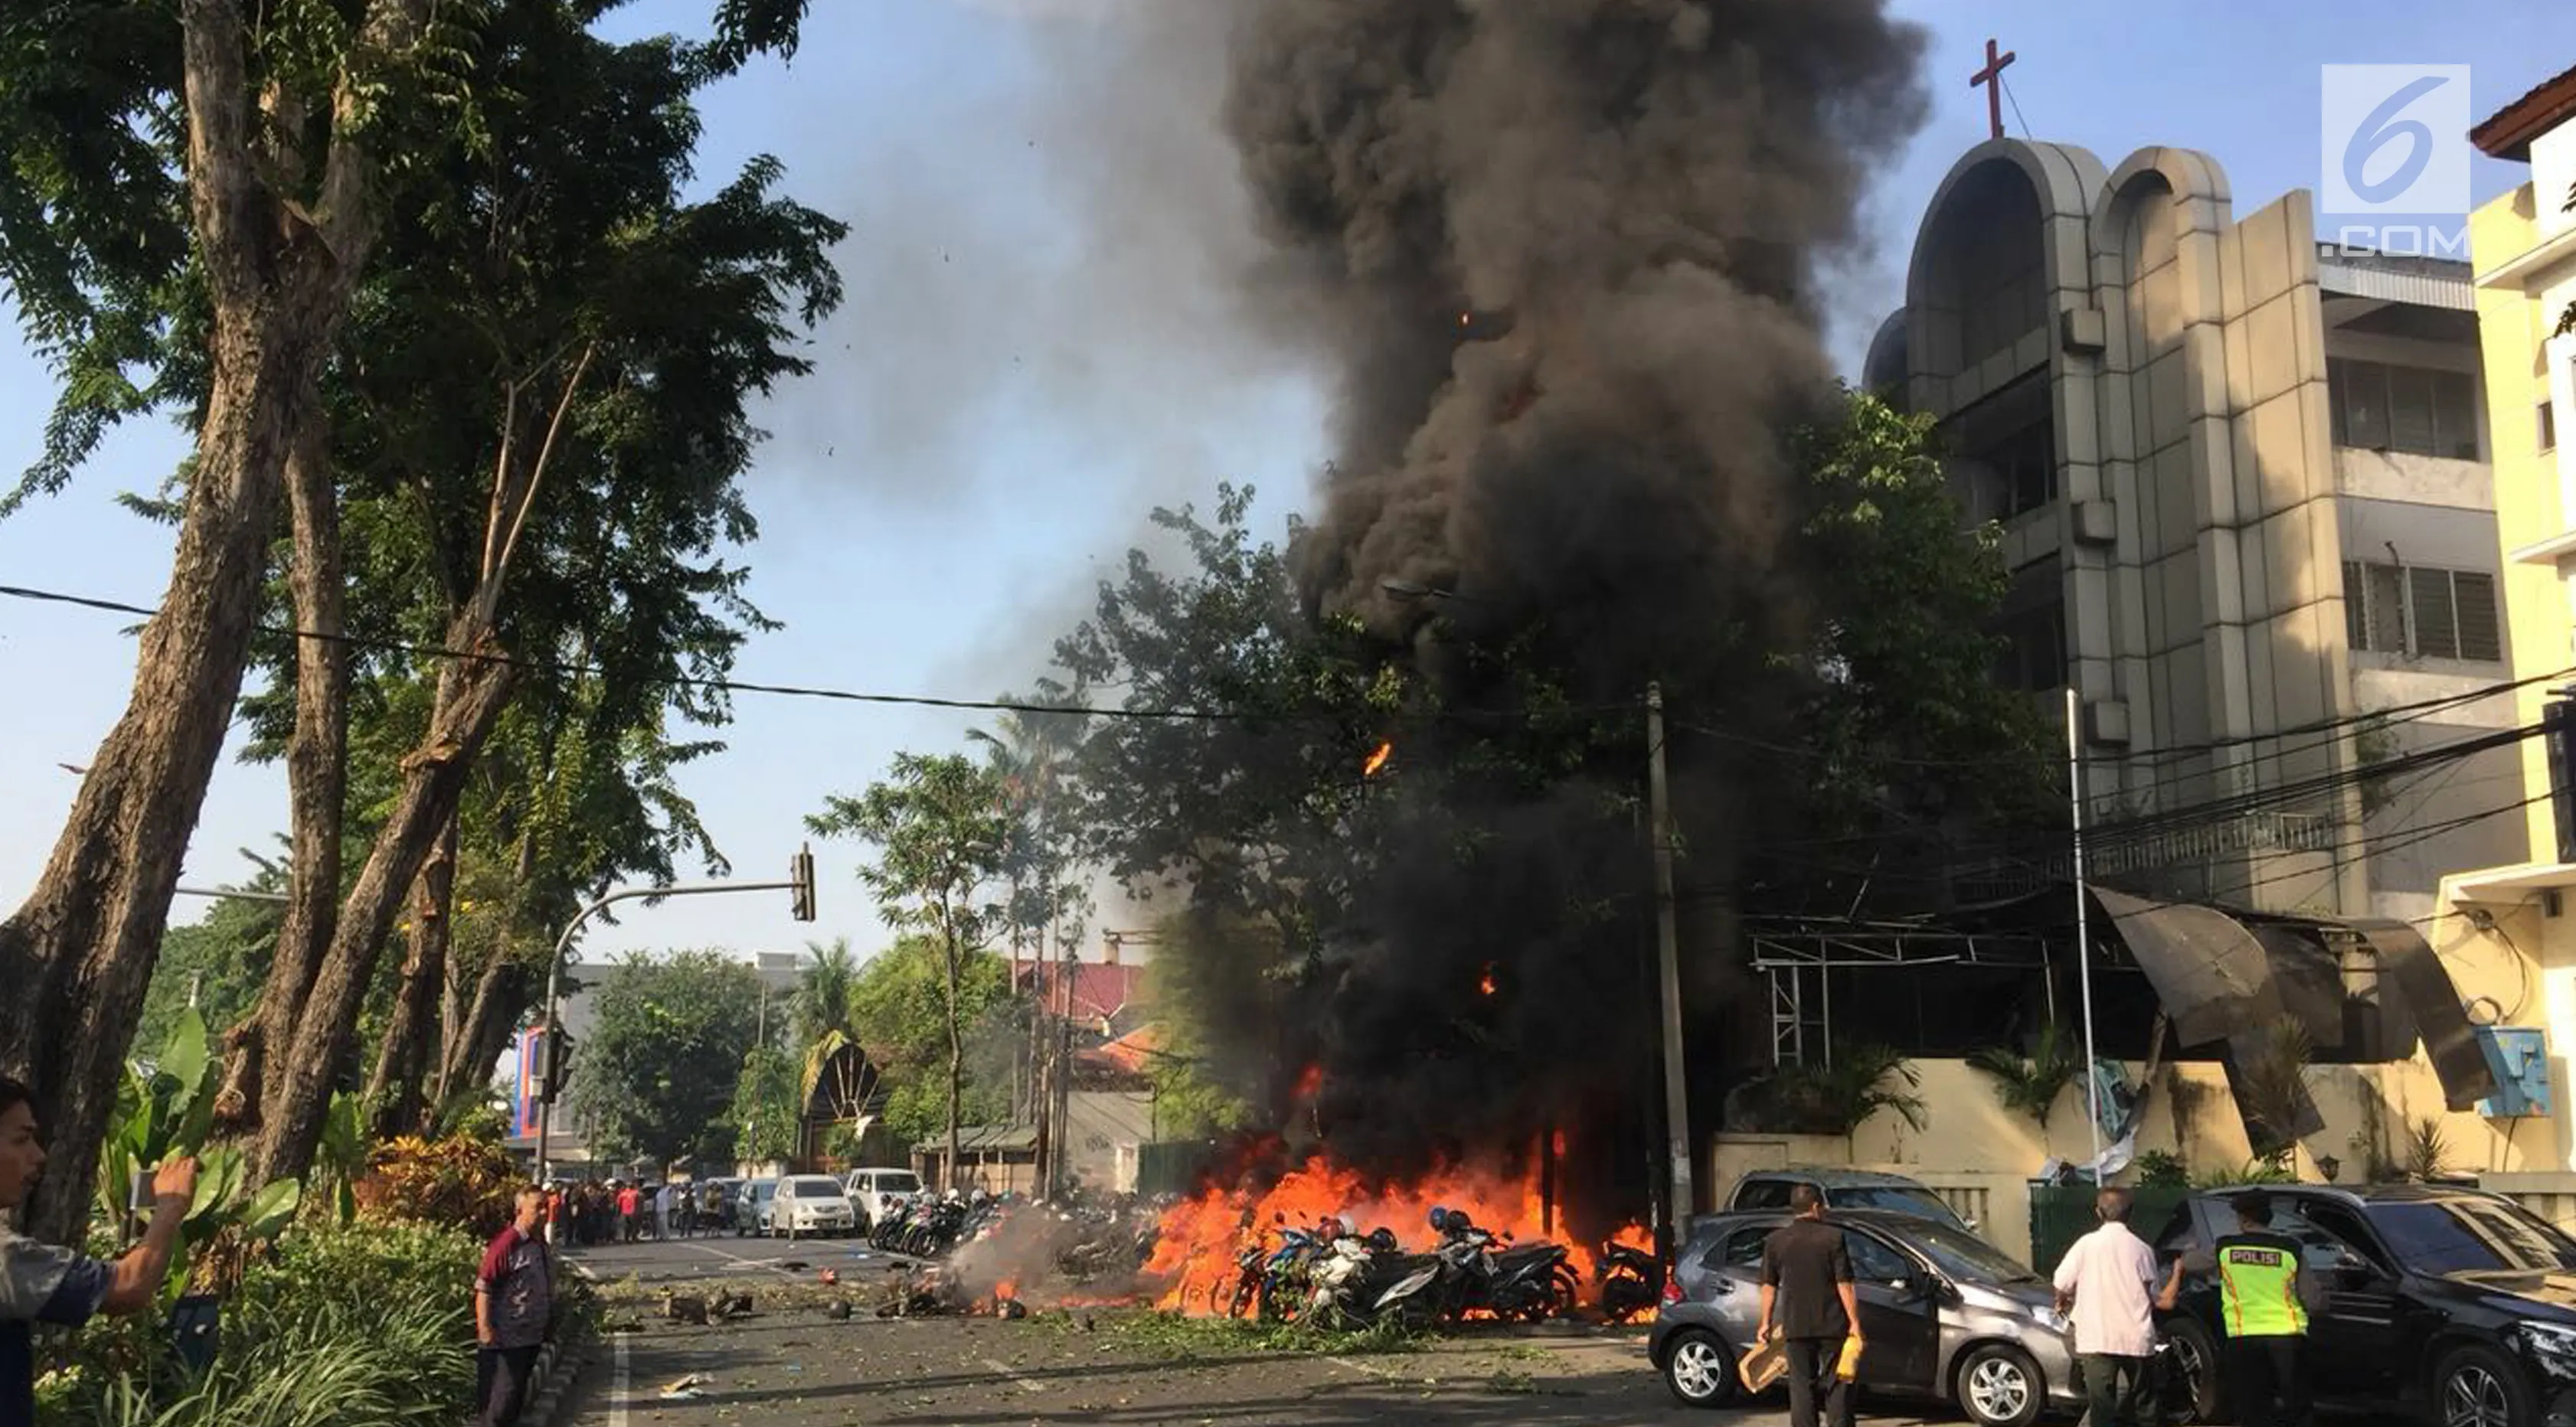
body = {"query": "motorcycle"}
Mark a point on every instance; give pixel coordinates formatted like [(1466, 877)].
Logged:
[(1627, 1277)]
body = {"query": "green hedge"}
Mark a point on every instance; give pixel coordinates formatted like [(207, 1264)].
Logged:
[(369, 1326)]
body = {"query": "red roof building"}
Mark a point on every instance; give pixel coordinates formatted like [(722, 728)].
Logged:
[(1107, 995)]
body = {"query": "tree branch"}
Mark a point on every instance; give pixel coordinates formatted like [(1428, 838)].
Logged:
[(342, 216), (495, 571), (222, 186)]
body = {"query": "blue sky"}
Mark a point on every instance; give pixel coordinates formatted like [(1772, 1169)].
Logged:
[(1038, 349)]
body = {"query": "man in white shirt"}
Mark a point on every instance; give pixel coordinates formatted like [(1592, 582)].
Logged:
[(2107, 1285)]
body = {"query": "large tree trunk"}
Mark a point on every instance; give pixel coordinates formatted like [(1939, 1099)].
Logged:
[(78, 954), (472, 692), (394, 1091), (317, 759)]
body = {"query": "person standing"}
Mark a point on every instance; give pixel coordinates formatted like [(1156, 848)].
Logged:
[(513, 1311), (1807, 1300), (2264, 1289), (630, 1210), (2107, 1285), (43, 1283)]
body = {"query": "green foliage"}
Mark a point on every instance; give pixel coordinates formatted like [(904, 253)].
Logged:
[(2426, 1149), (1198, 1092), (822, 1004), (2161, 1169), (224, 957), (764, 1108), (459, 1182), (2272, 1085), (941, 827), (899, 1011), (165, 1111), (1838, 1097), (2031, 1084), (657, 1072), (372, 1325), (1906, 725), (1186, 1339), (2256, 1171)]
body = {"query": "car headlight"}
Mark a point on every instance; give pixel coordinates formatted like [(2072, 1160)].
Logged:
[(2552, 1347), (2046, 1317)]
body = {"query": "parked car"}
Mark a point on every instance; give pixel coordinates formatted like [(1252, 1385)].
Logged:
[(812, 1204), (751, 1205), (1845, 1189), (2453, 1305), (877, 1191), (1948, 1316)]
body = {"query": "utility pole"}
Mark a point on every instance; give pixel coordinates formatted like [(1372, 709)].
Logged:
[(2083, 920), (1669, 963)]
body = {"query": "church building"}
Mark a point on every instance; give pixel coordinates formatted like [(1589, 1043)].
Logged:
[(2244, 487)]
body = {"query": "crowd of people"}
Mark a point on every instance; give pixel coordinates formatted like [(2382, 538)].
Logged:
[(591, 1212)]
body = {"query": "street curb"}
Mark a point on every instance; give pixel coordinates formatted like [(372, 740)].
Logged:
[(559, 1366)]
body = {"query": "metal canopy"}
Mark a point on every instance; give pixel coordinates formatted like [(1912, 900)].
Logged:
[(1796, 953), (2208, 970)]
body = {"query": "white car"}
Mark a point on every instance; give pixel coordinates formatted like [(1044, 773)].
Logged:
[(811, 1204), (880, 1191)]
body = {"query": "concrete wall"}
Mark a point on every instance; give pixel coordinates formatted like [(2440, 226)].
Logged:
[(1980, 1156)]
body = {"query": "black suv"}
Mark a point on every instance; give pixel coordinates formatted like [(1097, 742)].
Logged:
[(2455, 1305)]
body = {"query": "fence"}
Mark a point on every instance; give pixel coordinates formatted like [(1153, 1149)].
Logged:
[(1171, 1166), (2062, 1213)]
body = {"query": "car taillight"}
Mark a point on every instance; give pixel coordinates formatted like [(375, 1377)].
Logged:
[(1672, 1287)]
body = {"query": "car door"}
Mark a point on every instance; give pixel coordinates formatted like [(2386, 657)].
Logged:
[(1899, 1316), (2354, 1323), (1734, 1268)]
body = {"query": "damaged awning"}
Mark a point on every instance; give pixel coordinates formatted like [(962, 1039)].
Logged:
[(2224, 978), (2207, 968)]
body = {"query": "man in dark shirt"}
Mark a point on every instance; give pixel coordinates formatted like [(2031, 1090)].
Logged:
[(45, 1283), (513, 1308), (1807, 1301)]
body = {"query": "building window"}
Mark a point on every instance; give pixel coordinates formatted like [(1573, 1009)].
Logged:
[(2025, 467), (2422, 612), (2032, 627), (2414, 410)]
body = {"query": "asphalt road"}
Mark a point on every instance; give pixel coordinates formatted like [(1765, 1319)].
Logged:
[(792, 1365)]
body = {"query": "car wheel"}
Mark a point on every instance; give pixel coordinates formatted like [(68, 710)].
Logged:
[(1999, 1386), (1699, 1369), (2191, 1390), (2475, 1386)]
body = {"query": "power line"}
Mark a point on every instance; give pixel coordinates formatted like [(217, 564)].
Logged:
[(807, 691)]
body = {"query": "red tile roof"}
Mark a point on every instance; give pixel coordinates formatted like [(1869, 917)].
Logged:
[(1100, 990), (1129, 1053), (2507, 134)]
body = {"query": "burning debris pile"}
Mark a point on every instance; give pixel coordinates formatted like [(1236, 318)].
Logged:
[(1028, 1258)]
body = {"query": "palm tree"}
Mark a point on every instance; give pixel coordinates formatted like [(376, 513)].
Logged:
[(822, 1002), (2031, 1085)]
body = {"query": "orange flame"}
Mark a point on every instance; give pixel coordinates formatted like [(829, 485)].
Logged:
[(1377, 760), (1485, 987), (1194, 1255)]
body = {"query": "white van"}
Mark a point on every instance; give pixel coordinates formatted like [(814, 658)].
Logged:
[(811, 1204), (878, 1191)]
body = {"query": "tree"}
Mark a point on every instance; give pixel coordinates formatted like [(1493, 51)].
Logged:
[(765, 1107), (539, 425), (220, 961), (190, 210), (941, 826), (822, 1004), (900, 1012), (225, 169), (660, 1068)]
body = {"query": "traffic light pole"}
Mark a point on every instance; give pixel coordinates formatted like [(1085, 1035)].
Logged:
[(800, 882)]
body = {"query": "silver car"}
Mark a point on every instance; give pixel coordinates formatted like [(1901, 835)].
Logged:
[(1948, 1316)]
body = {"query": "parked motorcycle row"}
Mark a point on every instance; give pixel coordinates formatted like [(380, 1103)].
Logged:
[(1089, 1239), (1331, 1274)]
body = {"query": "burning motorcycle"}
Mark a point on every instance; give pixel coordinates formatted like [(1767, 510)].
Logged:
[(1627, 1277)]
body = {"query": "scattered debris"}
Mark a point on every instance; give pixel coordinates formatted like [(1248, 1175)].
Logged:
[(688, 1387), (677, 1309)]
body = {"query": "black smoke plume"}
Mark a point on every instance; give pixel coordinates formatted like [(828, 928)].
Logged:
[(1563, 256)]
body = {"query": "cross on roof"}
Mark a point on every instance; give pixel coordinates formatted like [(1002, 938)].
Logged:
[(1992, 78)]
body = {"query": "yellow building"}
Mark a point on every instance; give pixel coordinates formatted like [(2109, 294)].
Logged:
[(2515, 925)]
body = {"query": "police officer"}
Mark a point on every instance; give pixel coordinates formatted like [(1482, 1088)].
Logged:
[(2263, 1294)]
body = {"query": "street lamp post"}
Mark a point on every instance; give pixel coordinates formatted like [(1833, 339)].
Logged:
[(800, 882)]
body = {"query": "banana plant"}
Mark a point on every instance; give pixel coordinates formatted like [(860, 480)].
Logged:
[(168, 1109)]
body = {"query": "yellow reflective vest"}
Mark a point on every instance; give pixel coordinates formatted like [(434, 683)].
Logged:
[(2258, 1286)]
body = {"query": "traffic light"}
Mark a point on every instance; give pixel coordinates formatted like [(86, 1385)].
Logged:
[(554, 1053), (800, 871)]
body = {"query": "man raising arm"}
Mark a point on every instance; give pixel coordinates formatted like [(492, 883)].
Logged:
[(45, 1283)]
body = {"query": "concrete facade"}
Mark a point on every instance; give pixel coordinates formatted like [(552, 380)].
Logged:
[(2518, 916), (2244, 493)]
